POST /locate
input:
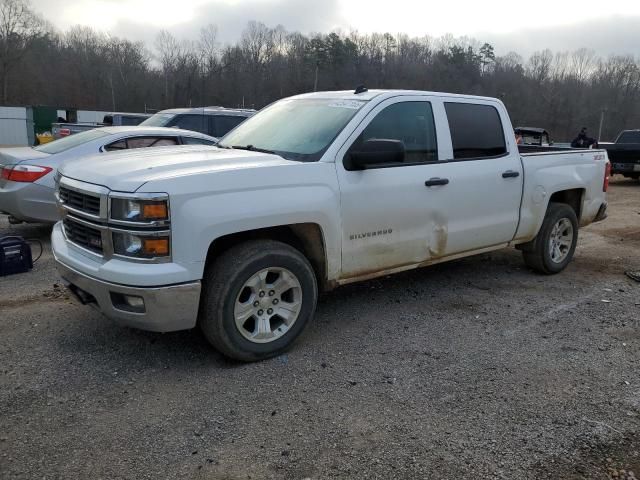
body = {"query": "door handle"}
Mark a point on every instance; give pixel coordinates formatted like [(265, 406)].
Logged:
[(436, 181), (510, 174)]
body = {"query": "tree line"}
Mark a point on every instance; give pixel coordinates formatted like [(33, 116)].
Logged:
[(82, 68)]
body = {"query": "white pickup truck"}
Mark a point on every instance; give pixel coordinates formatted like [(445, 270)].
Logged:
[(314, 191)]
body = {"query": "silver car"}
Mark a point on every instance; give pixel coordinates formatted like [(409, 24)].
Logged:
[(27, 173)]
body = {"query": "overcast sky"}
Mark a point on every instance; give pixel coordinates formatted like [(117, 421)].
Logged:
[(607, 27)]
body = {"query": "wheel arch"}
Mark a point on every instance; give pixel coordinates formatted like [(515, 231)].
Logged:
[(574, 197), (307, 238)]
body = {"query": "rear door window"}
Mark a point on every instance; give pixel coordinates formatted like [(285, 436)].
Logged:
[(476, 131), (195, 123), (224, 124)]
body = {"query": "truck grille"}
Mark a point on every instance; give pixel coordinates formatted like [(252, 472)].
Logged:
[(80, 201), (83, 235)]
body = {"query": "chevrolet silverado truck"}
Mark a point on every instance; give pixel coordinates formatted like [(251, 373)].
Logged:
[(314, 191), (624, 154)]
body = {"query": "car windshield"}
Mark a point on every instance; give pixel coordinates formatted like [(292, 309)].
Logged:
[(296, 129), (158, 120), (64, 144)]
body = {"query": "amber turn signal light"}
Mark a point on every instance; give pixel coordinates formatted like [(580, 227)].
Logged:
[(154, 211), (155, 246)]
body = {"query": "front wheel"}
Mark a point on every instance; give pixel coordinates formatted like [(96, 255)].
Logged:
[(553, 248), (257, 298)]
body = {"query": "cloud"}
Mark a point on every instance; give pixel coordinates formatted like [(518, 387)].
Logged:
[(143, 19), (565, 30), (614, 35)]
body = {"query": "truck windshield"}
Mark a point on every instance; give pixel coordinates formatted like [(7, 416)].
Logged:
[(158, 120), (295, 129), (629, 137), (71, 141)]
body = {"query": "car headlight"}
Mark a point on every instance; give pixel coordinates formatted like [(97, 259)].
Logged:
[(139, 210), (142, 245)]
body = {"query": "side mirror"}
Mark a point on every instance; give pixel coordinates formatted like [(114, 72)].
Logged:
[(375, 152)]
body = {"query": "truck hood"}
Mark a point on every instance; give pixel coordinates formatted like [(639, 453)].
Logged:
[(10, 156), (128, 171)]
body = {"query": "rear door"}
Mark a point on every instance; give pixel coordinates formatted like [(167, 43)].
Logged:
[(484, 174)]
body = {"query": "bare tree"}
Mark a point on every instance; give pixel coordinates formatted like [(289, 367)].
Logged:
[(582, 63), (257, 42), (19, 28), (208, 48), (539, 67), (169, 52)]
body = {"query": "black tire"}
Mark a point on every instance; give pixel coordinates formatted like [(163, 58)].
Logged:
[(537, 253), (223, 283)]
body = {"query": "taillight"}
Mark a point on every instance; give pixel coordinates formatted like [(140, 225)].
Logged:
[(24, 173), (607, 176), (64, 132)]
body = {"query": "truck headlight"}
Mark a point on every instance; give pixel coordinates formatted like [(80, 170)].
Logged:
[(139, 210), (141, 245)]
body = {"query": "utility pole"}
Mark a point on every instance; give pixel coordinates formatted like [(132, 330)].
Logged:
[(601, 122)]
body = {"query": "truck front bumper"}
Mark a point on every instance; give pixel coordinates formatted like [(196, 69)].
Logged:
[(158, 309)]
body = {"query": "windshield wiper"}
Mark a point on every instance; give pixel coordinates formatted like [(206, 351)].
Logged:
[(251, 148)]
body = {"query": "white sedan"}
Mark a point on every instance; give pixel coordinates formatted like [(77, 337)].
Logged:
[(27, 173)]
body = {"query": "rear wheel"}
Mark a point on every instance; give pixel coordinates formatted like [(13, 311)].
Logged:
[(257, 299), (553, 248)]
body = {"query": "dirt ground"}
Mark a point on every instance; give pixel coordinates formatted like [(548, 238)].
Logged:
[(474, 369)]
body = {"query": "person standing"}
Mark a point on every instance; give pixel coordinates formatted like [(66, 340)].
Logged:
[(583, 140)]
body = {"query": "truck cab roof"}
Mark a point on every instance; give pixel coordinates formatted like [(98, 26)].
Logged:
[(382, 94)]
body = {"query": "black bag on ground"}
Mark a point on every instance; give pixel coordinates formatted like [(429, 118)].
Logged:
[(15, 256)]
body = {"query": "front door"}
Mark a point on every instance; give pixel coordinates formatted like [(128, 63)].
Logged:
[(387, 218)]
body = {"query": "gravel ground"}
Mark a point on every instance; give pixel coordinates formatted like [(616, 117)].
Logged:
[(474, 369)]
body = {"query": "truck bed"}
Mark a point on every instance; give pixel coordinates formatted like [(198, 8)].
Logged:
[(547, 170)]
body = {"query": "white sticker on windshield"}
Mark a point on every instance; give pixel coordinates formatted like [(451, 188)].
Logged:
[(352, 104)]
